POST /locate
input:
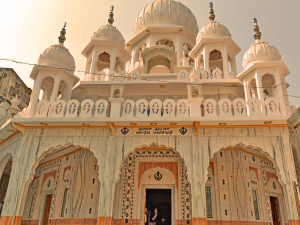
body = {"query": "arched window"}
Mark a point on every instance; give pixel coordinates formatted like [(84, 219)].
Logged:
[(268, 83), (103, 62), (216, 60), (118, 64), (159, 64), (46, 87), (253, 88)]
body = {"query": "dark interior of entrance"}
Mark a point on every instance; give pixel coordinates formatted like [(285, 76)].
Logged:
[(275, 210), (162, 201)]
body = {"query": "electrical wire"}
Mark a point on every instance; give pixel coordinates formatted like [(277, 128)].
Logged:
[(116, 76)]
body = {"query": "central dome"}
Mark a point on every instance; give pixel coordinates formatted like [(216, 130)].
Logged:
[(168, 12)]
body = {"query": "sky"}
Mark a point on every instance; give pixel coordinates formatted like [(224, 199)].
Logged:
[(28, 27)]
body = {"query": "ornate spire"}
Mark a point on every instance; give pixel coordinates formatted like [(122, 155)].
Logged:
[(62, 36), (111, 15), (211, 12), (257, 34)]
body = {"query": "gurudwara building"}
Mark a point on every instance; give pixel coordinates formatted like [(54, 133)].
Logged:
[(179, 128)]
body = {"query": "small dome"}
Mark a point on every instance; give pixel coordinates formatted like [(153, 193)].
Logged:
[(213, 28), (57, 55), (165, 12), (109, 33), (260, 51)]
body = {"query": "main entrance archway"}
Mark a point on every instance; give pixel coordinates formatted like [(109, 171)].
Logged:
[(157, 175)]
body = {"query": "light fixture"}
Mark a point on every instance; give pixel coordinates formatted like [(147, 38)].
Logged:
[(173, 124), (222, 124), (181, 30), (128, 45), (44, 124), (147, 31), (267, 122), (153, 124), (81, 88), (234, 85), (133, 124), (162, 86), (10, 130), (85, 124)]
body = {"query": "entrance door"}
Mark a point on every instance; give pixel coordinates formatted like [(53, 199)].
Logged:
[(47, 209), (275, 210), (161, 198)]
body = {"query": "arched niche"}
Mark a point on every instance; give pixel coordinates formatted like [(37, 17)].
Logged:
[(46, 87), (253, 88), (158, 55), (216, 60), (60, 179)]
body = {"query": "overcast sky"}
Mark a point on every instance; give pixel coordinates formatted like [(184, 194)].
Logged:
[(30, 26)]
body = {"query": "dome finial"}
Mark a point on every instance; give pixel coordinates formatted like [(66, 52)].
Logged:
[(111, 15), (63, 32), (257, 34), (211, 12)]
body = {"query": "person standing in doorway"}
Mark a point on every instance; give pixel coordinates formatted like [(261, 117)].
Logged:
[(152, 214)]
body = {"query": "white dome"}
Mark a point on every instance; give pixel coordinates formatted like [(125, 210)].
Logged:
[(260, 51), (109, 33), (57, 55), (165, 12), (213, 28)]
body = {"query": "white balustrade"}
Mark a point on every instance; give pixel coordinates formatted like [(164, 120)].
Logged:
[(100, 108), (182, 108), (217, 73), (100, 76), (141, 108), (225, 107), (272, 105), (42, 108), (239, 107), (183, 75), (210, 107), (59, 108), (254, 105), (72, 108), (206, 74), (135, 75), (87, 107), (128, 108), (155, 108), (169, 106)]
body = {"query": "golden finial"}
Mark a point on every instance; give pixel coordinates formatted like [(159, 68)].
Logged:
[(63, 32), (257, 34), (111, 15), (211, 12)]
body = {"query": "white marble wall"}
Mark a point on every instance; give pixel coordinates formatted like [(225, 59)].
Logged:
[(111, 150)]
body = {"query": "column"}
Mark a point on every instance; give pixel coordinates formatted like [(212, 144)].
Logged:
[(116, 106), (55, 89), (113, 60), (260, 91), (279, 89), (94, 64), (233, 67), (225, 63), (35, 94), (206, 58)]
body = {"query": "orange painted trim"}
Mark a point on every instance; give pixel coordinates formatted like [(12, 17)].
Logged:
[(11, 220), (195, 125), (294, 222), (9, 137), (199, 221), (105, 220)]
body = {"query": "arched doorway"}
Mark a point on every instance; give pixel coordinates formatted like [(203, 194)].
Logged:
[(64, 188), (6, 166), (243, 187), (152, 174)]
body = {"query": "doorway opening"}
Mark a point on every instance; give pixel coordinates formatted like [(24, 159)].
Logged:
[(47, 209), (161, 200), (275, 210)]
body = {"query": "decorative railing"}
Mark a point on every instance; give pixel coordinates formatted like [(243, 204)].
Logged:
[(136, 75), (156, 108)]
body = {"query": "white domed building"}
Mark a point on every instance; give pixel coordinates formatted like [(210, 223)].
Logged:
[(161, 129)]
